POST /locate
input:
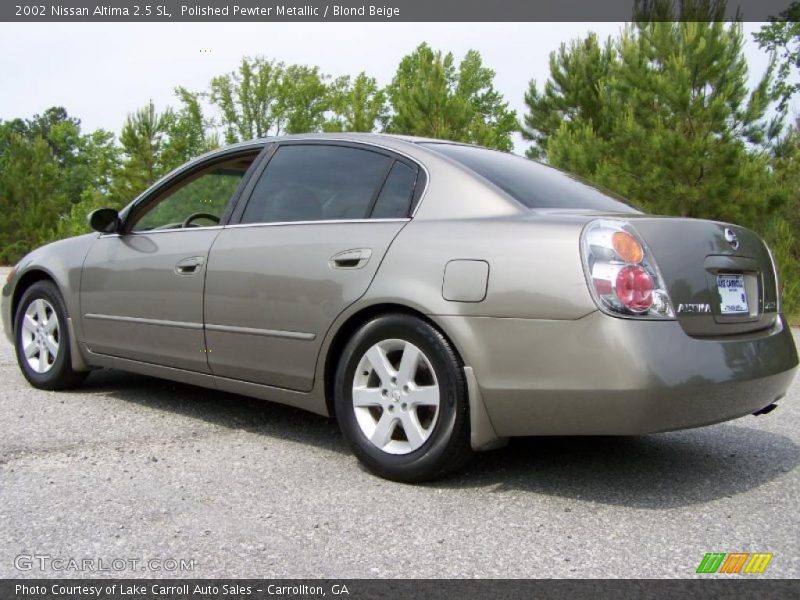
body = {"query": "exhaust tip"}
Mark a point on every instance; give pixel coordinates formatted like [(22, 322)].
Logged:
[(766, 410)]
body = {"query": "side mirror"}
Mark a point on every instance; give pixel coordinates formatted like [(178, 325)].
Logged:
[(104, 220)]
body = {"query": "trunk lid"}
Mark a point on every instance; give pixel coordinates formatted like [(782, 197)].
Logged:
[(720, 277)]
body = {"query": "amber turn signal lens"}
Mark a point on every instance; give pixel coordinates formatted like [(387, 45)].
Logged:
[(627, 247)]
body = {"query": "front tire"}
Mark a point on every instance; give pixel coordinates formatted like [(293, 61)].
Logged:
[(401, 400), (41, 339)]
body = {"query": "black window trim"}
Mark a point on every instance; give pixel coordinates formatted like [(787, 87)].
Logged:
[(244, 198)]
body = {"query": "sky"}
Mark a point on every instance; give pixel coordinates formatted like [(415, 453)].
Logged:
[(100, 72)]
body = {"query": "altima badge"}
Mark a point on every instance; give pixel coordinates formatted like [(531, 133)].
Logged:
[(731, 238), (694, 308)]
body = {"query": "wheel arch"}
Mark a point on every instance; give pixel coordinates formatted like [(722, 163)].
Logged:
[(31, 277), (351, 324), (482, 433), (26, 280)]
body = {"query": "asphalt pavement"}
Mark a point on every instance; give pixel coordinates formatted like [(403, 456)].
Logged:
[(137, 469)]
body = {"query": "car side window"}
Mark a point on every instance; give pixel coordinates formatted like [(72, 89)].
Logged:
[(199, 200), (316, 182), (394, 200)]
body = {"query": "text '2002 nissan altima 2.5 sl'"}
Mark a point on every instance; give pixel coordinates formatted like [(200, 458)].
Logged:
[(437, 298)]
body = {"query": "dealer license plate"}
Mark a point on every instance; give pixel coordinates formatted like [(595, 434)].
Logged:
[(733, 298)]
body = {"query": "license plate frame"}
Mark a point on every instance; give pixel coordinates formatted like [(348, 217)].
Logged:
[(732, 294)]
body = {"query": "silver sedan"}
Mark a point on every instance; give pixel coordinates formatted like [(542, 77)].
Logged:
[(436, 298)]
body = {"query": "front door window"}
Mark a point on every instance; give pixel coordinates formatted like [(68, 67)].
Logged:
[(196, 201)]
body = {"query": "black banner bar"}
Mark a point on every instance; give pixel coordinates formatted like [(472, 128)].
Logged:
[(739, 587), (350, 10)]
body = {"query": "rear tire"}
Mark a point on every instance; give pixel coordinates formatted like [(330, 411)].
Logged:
[(401, 400), (41, 339)]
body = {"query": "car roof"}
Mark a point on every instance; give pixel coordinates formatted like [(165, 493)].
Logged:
[(399, 143), (354, 135), (421, 150), (384, 139)]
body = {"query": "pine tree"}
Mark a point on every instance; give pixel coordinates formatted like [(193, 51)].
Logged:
[(187, 131), (32, 194), (672, 124), (783, 225), (142, 138), (47, 167), (573, 92), (431, 97)]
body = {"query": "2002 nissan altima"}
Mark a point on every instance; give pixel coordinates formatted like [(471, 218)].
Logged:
[(436, 297)]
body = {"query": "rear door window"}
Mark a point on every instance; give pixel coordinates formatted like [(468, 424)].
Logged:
[(394, 201), (316, 182)]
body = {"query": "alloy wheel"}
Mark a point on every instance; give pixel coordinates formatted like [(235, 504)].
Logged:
[(40, 335), (396, 396)]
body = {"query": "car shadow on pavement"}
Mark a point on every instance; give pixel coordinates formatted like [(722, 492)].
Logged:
[(657, 471), (654, 471), (218, 408)]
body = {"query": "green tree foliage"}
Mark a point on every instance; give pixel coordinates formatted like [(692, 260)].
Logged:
[(661, 113), (188, 132), (47, 166), (143, 139), (303, 99), (572, 94), (781, 37), (782, 226), (664, 116), (668, 120), (432, 97), (32, 193), (266, 97), (82, 159), (152, 145), (357, 104), (100, 156), (248, 99)]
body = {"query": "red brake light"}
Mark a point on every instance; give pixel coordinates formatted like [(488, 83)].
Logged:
[(634, 288)]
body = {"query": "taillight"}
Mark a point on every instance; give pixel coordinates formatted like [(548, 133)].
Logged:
[(777, 278), (627, 247), (634, 288), (621, 272)]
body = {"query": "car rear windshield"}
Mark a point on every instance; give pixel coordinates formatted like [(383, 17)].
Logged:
[(533, 184)]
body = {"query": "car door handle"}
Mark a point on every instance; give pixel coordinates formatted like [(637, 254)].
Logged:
[(190, 266), (351, 259)]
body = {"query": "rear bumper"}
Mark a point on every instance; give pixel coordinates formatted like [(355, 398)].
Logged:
[(600, 375)]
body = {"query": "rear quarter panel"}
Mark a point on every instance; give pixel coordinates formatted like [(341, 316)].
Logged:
[(534, 263)]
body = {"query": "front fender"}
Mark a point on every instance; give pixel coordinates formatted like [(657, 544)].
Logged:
[(61, 262)]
